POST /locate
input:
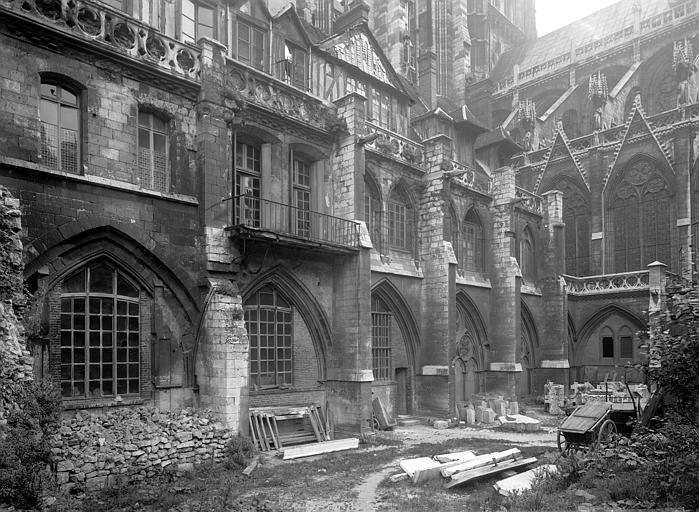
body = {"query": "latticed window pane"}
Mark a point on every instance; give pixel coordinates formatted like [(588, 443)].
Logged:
[(247, 184), (59, 111), (302, 198), (152, 152), (381, 341), (100, 334), (268, 319), (397, 225)]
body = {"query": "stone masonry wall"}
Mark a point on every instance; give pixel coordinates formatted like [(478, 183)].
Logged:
[(94, 451)]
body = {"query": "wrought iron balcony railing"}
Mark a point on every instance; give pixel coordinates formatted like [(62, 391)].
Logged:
[(112, 30), (254, 217), (608, 283)]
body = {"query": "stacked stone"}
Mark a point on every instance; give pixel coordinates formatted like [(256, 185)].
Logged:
[(133, 444)]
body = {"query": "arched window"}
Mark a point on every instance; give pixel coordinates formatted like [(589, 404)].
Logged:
[(576, 216), (100, 333), (268, 319), (59, 112), (639, 219), (400, 221), (526, 254), (571, 125), (381, 318), (607, 343), (473, 258)]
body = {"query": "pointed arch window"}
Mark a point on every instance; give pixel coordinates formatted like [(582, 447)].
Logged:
[(400, 221), (639, 220), (269, 321), (381, 359), (576, 217), (100, 350), (474, 243), (526, 255)]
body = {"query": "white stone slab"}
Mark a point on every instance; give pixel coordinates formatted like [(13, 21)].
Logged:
[(421, 463), (522, 481)]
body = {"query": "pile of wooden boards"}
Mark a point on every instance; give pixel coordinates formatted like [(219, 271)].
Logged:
[(273, 428), (461, 467)]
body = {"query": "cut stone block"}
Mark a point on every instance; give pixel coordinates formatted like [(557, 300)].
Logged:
[(421, 463), (519, 423)]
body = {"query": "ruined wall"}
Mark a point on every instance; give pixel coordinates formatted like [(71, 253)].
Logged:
[(93, 451)]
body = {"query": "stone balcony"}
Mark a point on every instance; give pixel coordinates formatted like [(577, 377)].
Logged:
[(395, 146), (269, 221), (106, 29), (468, 177), (528, 201), (248, 85)]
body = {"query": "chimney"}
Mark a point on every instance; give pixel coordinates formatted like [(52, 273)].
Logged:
[(357, 13)]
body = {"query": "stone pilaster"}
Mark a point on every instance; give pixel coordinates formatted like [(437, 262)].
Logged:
[(505, 279), (684, 141), (553, 361), (427, 77), (222, 353), (348, 160)]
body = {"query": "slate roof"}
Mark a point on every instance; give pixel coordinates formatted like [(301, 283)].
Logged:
[(593, 27)]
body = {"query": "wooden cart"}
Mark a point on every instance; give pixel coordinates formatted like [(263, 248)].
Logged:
[(587, 427)]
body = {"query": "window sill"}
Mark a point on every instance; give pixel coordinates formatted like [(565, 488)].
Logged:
[(95, 403), (279, 391), (384, 383), (98, 181)]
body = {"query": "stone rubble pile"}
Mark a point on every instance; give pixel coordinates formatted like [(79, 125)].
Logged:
[(91, 451)]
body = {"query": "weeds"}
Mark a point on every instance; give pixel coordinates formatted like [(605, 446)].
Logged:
[(239, 452)]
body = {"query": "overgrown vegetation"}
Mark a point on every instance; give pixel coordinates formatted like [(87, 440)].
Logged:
[(24, 449), (240, 451)]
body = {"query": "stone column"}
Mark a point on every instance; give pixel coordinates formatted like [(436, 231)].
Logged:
[(221, 366), (349, 374), (438, 287), (598, 167), (553, 359), (505, 305)]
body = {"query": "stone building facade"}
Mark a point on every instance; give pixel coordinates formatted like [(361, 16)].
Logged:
[(242, 204)]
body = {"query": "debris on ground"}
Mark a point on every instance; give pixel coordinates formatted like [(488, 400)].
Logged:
[(519, 423), (522, 481), (274, 428), (461, 467), (382, 418)]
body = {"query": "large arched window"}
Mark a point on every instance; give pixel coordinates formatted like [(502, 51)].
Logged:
[(526, 254), (474, 243), (99, 333), (381, 319), (639, 219), (400, 221), (576, 216), (59, 113), (268, 319)]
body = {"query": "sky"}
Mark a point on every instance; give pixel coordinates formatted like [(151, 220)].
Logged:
[(553, 14)]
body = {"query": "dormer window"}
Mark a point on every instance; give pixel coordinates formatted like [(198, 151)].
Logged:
[(252, 42), (198, 20)]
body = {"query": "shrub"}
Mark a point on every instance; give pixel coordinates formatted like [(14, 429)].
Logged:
[(239, 452), (24, 448)]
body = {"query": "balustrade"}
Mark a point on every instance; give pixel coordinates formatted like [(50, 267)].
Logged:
[(469, 177), (529, 201), (113, 29), (395, 145), (256, 215), (609, 283)]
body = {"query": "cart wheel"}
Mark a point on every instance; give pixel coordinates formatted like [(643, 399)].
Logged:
[(606, 433), (562, 443)]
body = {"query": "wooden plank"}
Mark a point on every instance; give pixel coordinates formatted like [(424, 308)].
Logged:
[(398, 477), (467, 476), (261, 430), (385, 419), (276, 430), (312, 420), (324, 434), (256, 428), (454, 456), (271, 430), (252, 430), (308, 450), (585, 417), (248, 470), (480, 461)]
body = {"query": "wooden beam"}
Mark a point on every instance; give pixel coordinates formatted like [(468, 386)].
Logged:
[(467, 476), (308, 450), (480, 461)]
